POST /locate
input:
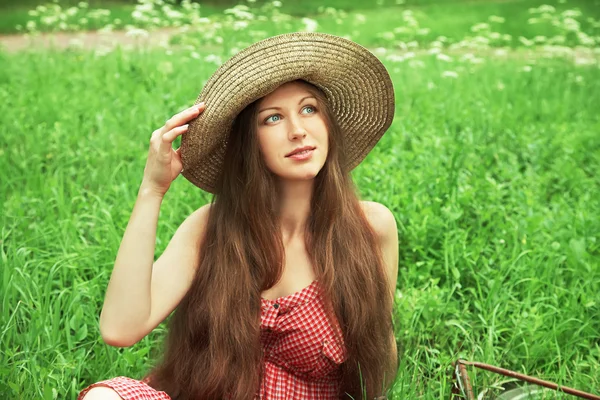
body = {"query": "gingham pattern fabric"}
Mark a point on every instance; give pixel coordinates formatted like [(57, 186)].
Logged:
[(128, 388), (302, 355)]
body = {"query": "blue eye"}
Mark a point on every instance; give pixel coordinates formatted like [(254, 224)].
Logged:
[(311, 107), (274, 115), (277, 115)]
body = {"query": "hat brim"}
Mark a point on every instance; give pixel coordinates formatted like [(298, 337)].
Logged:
[(357, 85)]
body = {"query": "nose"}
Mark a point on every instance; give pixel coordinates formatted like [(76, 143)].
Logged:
[(296, 129)]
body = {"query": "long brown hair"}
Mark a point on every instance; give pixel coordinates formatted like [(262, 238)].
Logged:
[(212, 349)]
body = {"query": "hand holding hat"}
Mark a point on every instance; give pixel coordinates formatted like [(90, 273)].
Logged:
[(164, 163)]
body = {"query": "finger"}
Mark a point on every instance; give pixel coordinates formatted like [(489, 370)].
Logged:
[(167, 139), (183, 117), (173, 133)]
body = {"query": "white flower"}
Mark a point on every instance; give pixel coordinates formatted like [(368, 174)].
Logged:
[(213, 58), (449, 74), (276, 3), (444, 57), (480, 27), (145, 7), (387, 35), (137, 15), (395, 58), (360, 18), (585, 39), (239, 25), (571, 24), (545, 8), (48, 19), (106, 29), (416, 64), (571, 13), (137, 33), (584, 61), (526, 42), (310, 25), (173, 14), (527, 68)]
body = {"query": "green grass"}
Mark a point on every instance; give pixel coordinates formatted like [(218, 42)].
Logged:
[(492, 177), (437, 15)]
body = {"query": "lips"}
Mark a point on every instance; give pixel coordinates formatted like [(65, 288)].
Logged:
[(300, 150)]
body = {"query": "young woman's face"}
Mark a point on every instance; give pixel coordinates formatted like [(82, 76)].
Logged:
[(288, 119)]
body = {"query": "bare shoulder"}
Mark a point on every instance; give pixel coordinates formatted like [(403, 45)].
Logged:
[(380, 218), (199, 217), (383, 223), (202, 213)]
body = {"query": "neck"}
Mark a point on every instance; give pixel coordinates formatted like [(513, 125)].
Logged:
[(294, 208)]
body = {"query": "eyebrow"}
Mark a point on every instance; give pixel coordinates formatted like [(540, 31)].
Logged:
[(278, 108)]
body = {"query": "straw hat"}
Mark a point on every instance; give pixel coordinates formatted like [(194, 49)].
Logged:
[(357, 85)]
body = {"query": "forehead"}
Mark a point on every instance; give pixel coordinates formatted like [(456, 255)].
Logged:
[(287, 90)]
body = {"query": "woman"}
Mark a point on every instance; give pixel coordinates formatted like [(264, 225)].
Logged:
[(283, 285)]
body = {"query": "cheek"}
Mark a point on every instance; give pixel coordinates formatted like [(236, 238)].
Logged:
[(269, 149)]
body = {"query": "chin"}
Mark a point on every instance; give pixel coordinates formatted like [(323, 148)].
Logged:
[(301, 176), (304, 172)]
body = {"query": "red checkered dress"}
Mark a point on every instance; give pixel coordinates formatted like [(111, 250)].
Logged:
[(302, 355)]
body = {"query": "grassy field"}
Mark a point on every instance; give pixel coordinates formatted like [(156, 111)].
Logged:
[(490, 167), (439, 16)]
